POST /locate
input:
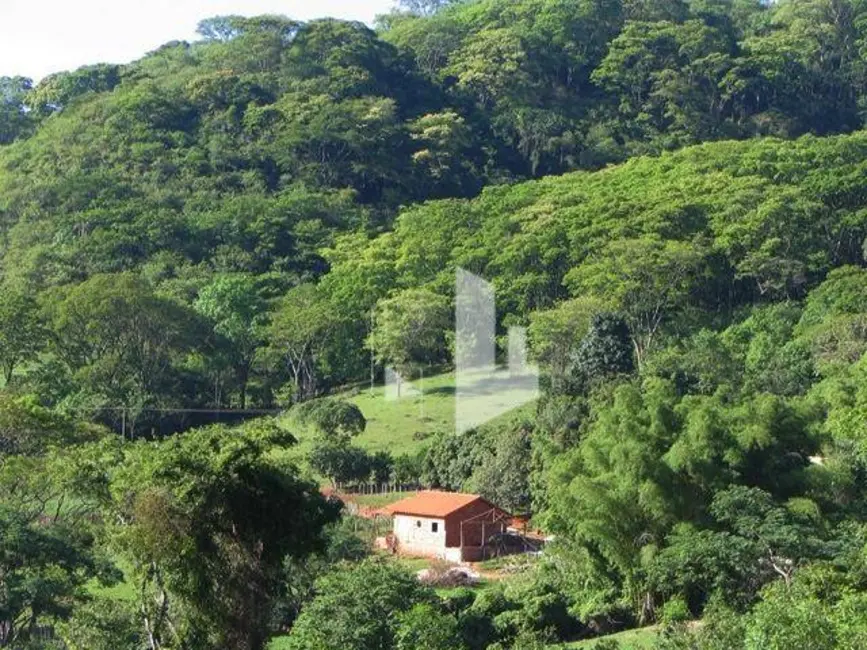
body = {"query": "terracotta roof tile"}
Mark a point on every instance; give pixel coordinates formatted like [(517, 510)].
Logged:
[(432, 503)]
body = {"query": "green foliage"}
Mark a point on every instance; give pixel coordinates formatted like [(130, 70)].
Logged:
[(206, 526), (410, 329), (425, 628), (359, 607), (48, 550), (303, 328), (345, 464), (15, 122), (102, 624), (235, 222), (502, 476), (119, 342), (605, 350), (232, 304), (556, 333), (334, 420), (44, 570), (785, 620), (22, 332)]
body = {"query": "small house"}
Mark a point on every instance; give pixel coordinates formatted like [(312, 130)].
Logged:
[(449, 525)]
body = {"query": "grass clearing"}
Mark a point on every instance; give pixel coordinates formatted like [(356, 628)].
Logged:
[(405, 425), (639, 639), (399, 426)]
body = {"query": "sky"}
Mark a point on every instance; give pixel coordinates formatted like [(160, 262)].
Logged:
[(38, 37)]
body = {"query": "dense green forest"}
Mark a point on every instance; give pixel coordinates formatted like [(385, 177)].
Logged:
[(670, 195)]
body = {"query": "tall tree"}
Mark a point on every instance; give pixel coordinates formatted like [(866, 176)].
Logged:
[(300, 331), (356, 608), (410, 330), (605, 350), (22, 332), (424, 7), (121, 341), (204, 521), (15, 121), (647, 280), (238, 314)]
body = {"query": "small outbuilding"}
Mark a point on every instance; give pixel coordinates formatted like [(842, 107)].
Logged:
[(450, 525)]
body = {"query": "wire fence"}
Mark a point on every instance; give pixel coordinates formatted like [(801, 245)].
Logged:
[(373, 489), (156, 422)]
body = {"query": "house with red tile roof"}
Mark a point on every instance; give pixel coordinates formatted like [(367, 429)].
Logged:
[(450, 525)]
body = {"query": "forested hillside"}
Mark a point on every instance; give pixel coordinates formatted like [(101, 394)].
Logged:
[(671, 196)]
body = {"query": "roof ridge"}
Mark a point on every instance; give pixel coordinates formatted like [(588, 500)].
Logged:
[(433, 503)]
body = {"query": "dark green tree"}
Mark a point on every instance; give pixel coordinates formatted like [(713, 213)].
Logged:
[(605, 350), (204, 524)]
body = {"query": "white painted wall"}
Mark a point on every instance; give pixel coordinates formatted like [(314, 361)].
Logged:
[(415, 535)]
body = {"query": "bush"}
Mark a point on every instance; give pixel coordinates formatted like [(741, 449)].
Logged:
[(675, 610), (356, 607), (424, 627), (459, 600)]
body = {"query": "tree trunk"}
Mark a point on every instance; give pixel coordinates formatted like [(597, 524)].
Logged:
[(244, 379)]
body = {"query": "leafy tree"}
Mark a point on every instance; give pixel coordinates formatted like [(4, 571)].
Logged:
[(424, 7), (451, 459), (556, 333), (344, 544), (121, 341), (668, 72), (605, 350), (780, 538), (14, 119), (56, 91), (444, 158), (647, 280), (334, 420), (300, 330), (787, 619), (205, 527), (424, 627), (233, 306), (102, 624), (22, 333), (28, 428), (620, 499), (358, 607), (220, 28), (43, 572), (342, 463), (503, 476), (410, 329), (407, 469)]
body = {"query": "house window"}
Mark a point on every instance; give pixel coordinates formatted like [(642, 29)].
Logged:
[(418, 524), (434, 527)]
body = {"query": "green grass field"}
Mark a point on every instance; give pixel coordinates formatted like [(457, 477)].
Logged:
[(397, 426), (640, 639), (405, 425)]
